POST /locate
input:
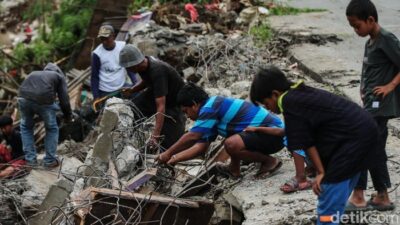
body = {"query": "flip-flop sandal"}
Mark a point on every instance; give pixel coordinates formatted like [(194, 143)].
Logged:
[(350, 207), (269, 173), (378, 207), (294, 186), (223, 169)]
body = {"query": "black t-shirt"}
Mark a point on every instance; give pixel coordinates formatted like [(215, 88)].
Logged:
[(343, 133), (380, 65), (14, 140), (162, 80)]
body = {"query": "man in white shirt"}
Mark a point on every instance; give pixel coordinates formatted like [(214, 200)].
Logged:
[(107, 75)]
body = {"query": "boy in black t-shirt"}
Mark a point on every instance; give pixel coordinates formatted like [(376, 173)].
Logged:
[(380, 94), (323, 124)]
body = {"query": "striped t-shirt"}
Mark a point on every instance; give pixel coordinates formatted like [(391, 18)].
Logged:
[(228, 116)]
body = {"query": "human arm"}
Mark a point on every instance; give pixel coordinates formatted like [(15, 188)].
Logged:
[(386, 89), (317, 163), (186, 141), (138, 87), (95, 79), (160, 117), (63, 96), (9, 170), (190, 153), (132, 76), (391, 48), (275, 131)]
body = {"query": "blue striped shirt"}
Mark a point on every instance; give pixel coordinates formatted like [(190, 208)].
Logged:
[(228, 116)]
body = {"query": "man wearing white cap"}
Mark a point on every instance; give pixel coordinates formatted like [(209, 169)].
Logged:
[(107, 75)]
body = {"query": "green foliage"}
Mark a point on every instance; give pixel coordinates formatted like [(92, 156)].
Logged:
[(42, 52), (69, 24), (281, 10), (136, 5), (185, 1), (39, 52), (20, 52), (261, 33), (68, 28), (37, 9)]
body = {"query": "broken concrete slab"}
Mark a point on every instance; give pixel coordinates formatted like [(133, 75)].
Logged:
[(226, 214), (69, 167), (39, 183), (109, 120), (127, 160), (98, 161), (49, 212)]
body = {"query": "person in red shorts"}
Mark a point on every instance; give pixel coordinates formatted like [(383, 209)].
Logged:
[(12, 159)]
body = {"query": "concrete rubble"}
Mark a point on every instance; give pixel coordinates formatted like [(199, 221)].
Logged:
[(110, 176)]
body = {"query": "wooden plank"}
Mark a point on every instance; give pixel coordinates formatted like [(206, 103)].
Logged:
[(106, 205), (140, 179), (9, 89), (148, 198)]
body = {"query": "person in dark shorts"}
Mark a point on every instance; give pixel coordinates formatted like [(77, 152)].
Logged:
[(161, 83), (227, 117), (338, 135), (380, 93)]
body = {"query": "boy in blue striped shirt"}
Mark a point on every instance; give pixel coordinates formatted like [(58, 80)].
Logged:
[(227, 117)]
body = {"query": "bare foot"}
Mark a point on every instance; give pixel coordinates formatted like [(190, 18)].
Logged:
[(358, 202)]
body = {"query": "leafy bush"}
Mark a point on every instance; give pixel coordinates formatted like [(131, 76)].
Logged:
[(68, 28), (281, 10), (261, 33)]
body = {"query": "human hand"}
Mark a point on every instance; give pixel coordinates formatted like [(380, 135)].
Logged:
[(384, 90), (173, 160), (251, 129), (163, 157), (126, 92), (317, 184)]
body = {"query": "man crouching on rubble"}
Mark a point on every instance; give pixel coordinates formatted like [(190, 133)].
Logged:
[(226, 117)]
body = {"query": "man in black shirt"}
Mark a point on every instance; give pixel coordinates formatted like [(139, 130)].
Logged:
[(339, 136), (162, 83)]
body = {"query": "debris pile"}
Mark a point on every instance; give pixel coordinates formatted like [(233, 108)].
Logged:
[(216, 60), (111, 177), (119, 181)]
